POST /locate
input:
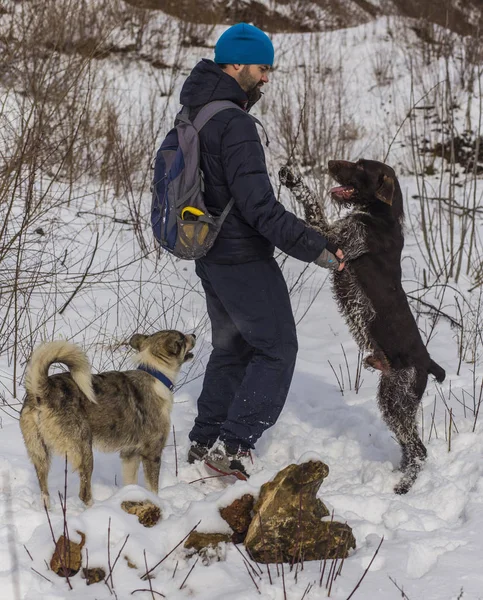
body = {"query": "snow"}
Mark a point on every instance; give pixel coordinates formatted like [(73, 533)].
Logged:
[(433, 536)]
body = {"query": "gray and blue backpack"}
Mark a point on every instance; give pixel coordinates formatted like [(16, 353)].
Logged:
[(180, 220)]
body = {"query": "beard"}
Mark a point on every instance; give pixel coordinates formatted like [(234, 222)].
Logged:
[(251, 86), (254, 96), (247, 81)]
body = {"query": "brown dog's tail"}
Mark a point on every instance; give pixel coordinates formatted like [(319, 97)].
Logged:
[(36, 377), (437, 371)]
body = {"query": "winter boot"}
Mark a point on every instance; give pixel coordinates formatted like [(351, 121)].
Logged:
[(228, 459)]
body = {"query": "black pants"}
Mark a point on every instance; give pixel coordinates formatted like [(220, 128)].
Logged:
[(254, 342)]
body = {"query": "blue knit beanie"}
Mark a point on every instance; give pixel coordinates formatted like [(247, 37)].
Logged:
[(244, 44)]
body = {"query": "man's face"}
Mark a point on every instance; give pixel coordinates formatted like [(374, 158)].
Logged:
[(253, 77)]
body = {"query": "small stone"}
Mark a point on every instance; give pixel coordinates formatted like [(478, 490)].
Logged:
[(239, 516), (148, 514), (94, 575), (197, 541), (207, 545), (67, 557), (130, 563)]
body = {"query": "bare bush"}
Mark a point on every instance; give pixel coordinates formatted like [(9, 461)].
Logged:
[(70, 142)]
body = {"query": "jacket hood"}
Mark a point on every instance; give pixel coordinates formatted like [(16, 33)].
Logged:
[(207, 82)]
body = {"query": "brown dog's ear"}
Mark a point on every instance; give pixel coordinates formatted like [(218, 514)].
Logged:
[(386, 191), (136, 341)]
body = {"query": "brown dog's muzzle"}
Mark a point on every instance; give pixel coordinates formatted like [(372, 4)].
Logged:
[(341, 171), (336, 165)]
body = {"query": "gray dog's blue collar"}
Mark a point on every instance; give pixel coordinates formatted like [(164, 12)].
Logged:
[(159, 376)]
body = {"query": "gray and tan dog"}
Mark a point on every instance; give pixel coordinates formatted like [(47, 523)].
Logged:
[(127, 412)]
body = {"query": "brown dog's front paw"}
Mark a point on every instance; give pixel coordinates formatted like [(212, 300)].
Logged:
[(288, 178)]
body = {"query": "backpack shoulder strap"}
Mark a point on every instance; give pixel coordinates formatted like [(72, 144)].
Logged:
[(210, 110), (255, 120), (183, 116)]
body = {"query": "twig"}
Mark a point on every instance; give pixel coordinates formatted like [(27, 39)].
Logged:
[(283, 582), (149, 578), (307, 590), (96, 214), (330, 574), (366, 571), (450, 428), (117, 558), (337, 377), (43, 576), (64, 568), (403, 593), (251, 577), (264, 548), (326, 554), (208, 477), (175, 451), (109, 554), (477, 412), (245, 560), (334, 570), (253, 560), (433, 425), (27, 551), (148, 590), (189, 573), (83, 278), (298, 542), (346, 543), (408, 115), (347, 366), (171, 551), (436, 310), (11, 538), (64, 514)]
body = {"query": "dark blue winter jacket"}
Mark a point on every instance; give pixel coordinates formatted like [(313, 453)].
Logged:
[(233, 163)]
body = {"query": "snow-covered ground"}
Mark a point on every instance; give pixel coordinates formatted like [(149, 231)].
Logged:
[(433, 536)]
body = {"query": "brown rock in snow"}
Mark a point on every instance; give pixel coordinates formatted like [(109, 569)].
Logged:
[(288, 522)]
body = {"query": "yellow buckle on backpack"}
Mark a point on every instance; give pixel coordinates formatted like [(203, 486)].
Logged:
[(196, 212)]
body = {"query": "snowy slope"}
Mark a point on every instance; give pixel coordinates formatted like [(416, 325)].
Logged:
[(433, 537)]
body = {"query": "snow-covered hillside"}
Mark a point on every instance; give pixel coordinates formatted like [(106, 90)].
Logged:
[(84, 268)]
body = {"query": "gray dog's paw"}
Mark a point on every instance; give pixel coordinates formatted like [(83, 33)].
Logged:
[(288, 178)]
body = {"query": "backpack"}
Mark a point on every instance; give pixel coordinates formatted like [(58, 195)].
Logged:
[(180, 220)]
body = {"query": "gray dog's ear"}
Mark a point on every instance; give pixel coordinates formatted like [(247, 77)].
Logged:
[(386, 191), (136, 341)]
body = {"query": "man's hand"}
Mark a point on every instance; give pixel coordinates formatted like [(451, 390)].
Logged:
[(329, 260)]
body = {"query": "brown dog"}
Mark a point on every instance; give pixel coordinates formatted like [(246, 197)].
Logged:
[(128, 412), (370, 294)]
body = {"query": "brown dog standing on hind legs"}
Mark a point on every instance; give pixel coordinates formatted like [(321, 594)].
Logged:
[(370, 294), (124, 411)]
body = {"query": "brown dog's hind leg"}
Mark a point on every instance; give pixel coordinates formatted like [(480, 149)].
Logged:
[(37, 450), (400, 392), (377, 361)]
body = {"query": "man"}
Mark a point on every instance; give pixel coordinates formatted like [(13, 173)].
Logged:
[(253, 330)]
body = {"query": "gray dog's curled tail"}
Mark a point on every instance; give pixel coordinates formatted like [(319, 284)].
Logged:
[(36, 377)]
